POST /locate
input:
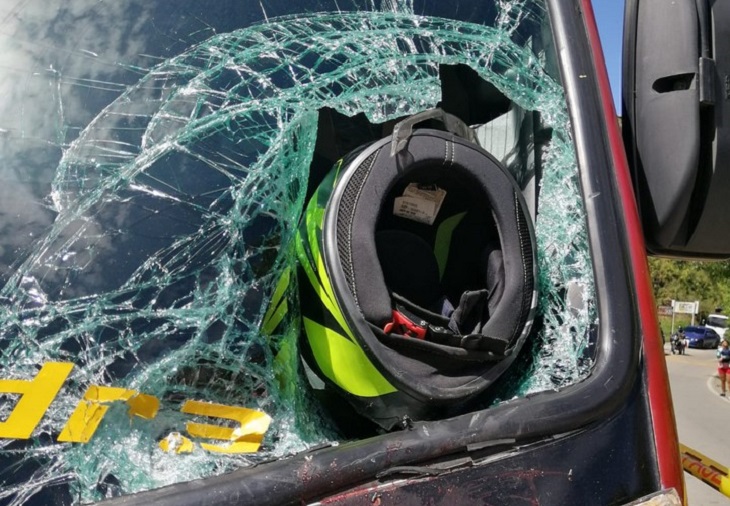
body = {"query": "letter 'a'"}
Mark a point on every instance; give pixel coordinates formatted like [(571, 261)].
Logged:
[(36, 397)]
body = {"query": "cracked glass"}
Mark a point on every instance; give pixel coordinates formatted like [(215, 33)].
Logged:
[(156, 160)]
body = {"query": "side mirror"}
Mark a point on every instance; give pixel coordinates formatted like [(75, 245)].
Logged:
[(676, 123)]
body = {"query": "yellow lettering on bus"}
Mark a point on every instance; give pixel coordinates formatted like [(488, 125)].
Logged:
[(36, 397), (88, 414), (37, 394), (246, 438)]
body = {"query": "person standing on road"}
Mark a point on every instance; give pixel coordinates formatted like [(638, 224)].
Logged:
[(678, 341), (723, 364)]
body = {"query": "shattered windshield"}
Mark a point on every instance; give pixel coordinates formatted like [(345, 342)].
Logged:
[(156, 160)]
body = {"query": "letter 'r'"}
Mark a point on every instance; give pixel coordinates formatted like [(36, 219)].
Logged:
[(36, 397)]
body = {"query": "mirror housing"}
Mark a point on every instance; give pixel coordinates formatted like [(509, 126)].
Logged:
[(676, 106)]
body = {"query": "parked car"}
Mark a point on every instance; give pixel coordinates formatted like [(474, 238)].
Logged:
[(701, 337)]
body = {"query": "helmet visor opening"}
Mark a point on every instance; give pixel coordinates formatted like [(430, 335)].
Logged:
[(437, 244)]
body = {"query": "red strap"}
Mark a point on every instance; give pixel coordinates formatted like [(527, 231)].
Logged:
[(401, 324)]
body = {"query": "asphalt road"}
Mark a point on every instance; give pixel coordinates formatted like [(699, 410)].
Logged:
[(703, 417)]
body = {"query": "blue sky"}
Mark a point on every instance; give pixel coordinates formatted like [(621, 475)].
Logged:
[(610, 17)]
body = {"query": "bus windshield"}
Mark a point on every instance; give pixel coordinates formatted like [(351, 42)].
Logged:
[(156, 160)]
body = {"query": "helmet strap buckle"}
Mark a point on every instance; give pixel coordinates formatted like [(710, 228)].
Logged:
[(401, 324)]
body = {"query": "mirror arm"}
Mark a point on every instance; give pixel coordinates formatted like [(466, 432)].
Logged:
[(706, 73)]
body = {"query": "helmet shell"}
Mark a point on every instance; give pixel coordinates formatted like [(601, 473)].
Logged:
[(347, 302)]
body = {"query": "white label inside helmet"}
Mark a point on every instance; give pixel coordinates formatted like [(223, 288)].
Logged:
[(420, 203)]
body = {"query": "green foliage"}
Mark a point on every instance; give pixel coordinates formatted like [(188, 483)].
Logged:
[(708, 282)]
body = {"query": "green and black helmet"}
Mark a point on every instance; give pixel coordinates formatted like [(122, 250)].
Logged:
[(418, 274)]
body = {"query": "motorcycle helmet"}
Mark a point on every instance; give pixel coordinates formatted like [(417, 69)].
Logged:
[(417, 261)]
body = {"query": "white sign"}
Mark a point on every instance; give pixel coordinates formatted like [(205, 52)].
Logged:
[(686, 307)]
